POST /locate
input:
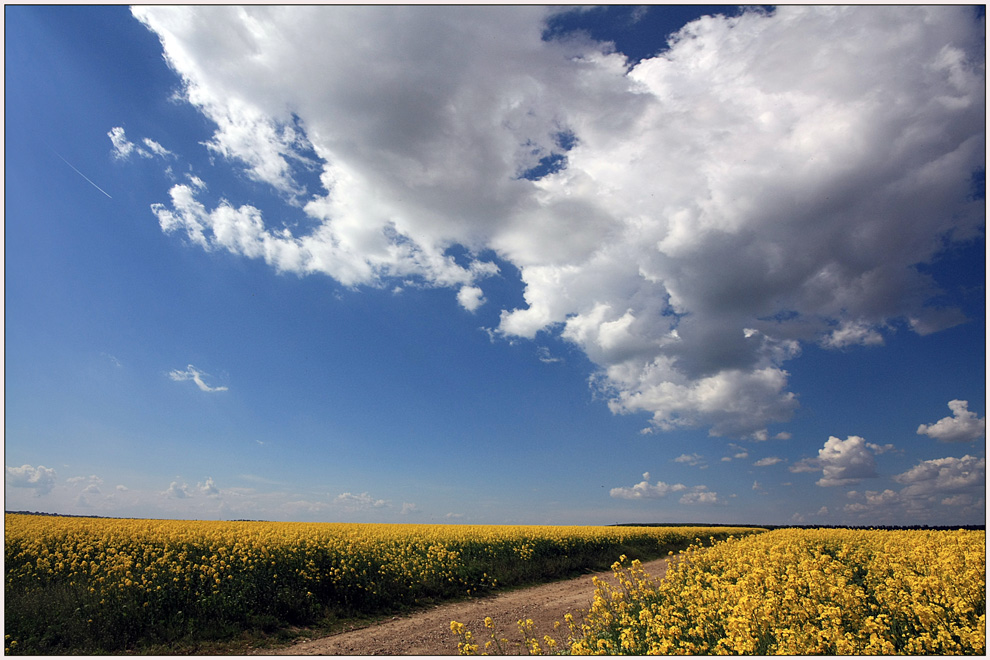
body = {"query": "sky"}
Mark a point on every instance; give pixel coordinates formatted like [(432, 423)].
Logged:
[(496, 265)]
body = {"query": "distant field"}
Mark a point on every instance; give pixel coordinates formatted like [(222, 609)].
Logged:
[(89, 585), (795, 592)]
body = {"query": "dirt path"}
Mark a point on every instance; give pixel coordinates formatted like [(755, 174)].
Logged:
[(428, 632)]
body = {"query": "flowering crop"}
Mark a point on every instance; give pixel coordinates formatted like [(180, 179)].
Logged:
[(799, 592), (75, 584)]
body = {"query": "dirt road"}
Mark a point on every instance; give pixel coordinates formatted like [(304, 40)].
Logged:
[(428, 632)]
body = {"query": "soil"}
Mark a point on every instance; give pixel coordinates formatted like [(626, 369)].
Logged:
[(428, 632)]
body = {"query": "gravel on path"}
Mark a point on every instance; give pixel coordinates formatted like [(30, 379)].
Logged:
[(428, 632)]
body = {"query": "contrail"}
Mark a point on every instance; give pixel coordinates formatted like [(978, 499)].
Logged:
[(81, 174)]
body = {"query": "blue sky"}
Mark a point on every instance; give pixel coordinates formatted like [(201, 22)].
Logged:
[(496, 265)]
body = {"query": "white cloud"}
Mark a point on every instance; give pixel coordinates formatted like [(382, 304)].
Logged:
[(408, 508), (937, 491), (805, 465), (195, 375), (769, 180), (157, 149), (699, 495), (645, 490), (853, 333), (769, 460), (123, 148), (691, 459), (944, 476), (963, 426), (178, 491), (470, 297), (208, 488), (362, 501), (41, 479), (845, 462)]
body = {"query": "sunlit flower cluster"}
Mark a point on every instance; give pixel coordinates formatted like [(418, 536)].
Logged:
[(144, 572), (799, 592)]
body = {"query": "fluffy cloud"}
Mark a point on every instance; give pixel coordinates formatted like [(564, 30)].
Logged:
[(935, 491), (645, 490), (699, 495), (208, 488), (470, 297), (770, 179), (769, 460), (178, 491), (963, 426), (691, 459), (845, 462), (41, 478), (195, 375), (944, 476)]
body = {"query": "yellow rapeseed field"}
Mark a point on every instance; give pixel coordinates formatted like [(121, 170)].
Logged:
[(795, 592), (74, 584)]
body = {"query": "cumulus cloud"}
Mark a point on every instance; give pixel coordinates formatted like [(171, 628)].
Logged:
[(691, 459), (944, 476), (470, 297), (769, 460), (699, 495), (769, 180), (41, 479), (645, 490), (208, 488), (932, 490), (963, 426), (195, 375), (178, 491), (362, 501), (845, 462)]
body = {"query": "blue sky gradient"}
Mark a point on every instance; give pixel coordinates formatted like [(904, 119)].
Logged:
[(558, 267)]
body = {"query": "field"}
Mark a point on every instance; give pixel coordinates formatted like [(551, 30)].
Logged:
[(89, 585), (789, 592)]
